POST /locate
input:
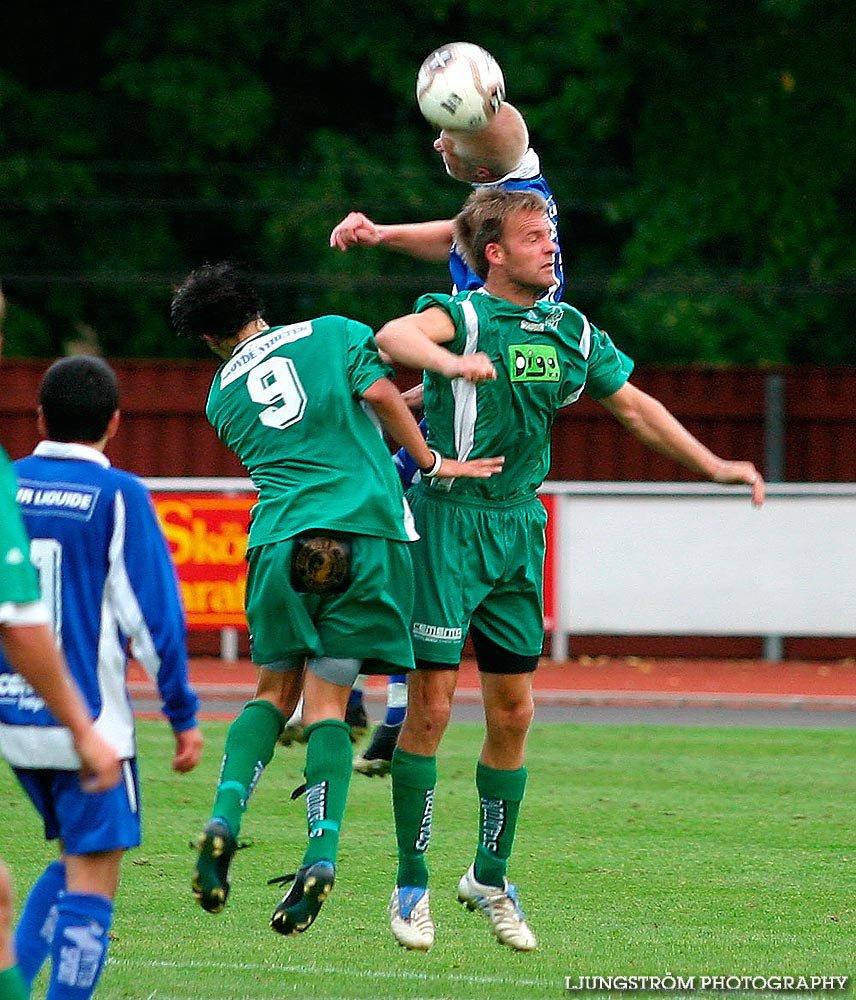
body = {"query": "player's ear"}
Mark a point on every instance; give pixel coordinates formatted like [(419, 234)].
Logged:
[(493, 253), (112, 426), (213, 343)]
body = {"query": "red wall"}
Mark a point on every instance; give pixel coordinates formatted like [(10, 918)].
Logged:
[(164, 431)]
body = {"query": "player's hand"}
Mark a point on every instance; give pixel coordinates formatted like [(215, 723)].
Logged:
[(355, 229), (414, 397), (99, 766), (734, 473), (188, 750), (473, 367), (475, 468)]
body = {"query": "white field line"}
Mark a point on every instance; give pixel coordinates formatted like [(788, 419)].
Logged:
[(312, 969)]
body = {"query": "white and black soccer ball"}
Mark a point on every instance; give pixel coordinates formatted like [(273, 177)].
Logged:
[(460, 86)]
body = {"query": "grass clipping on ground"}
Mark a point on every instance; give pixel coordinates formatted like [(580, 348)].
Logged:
[(641, 850)]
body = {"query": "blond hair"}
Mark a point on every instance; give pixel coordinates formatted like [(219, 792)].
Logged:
[(499, 146), (482, 219)]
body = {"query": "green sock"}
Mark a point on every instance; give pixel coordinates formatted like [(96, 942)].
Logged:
[(329, 762), (12, 985), (250, 744), (413, 781), (500, 793)]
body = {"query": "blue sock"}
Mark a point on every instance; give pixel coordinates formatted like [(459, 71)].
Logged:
[(79, 947), (34, 931), (396, 699), (356, 695)]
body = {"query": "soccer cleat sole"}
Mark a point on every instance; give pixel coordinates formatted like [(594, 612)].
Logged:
[(316, 888), (216, 848)]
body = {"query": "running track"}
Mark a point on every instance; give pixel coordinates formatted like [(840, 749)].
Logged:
[(744, 692)]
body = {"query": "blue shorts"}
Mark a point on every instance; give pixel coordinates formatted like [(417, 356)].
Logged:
[(85, 822)]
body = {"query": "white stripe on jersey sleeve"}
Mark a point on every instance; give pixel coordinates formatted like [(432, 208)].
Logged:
[(585, 349), (585, 339)]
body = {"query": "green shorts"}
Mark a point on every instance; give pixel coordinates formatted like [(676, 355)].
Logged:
[(369, 621), (476, 564)]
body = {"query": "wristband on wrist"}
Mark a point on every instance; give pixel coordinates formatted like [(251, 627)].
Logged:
[(431, 471)]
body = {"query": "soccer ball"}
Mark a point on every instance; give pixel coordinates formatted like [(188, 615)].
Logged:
[(460, 86)]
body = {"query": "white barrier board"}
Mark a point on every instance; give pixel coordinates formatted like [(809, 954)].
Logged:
[(640, 562)]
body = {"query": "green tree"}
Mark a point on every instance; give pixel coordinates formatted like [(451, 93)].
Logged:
[(701, 153)]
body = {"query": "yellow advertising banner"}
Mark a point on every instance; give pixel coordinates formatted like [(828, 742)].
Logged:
[(207, 536)]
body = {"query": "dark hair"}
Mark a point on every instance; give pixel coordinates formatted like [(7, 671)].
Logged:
[(78, 397), (214, 300), (482, 219)]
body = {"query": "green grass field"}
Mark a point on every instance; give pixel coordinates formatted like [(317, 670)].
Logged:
[(641, 851)]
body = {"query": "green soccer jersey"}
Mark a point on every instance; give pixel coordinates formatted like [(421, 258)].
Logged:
[(545, 356), (287, 403), (18, 582)]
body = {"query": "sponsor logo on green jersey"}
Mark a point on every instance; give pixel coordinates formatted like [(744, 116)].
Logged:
[(533, 363)]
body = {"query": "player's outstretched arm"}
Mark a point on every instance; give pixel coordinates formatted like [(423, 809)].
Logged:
[(414, 397), (32, 651), (399, 423), (473, 468), (424, 240), (416, 342), (654, 425)]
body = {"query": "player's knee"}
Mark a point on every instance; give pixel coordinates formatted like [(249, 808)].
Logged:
[(429, 699), (510, 719), (430, 715)]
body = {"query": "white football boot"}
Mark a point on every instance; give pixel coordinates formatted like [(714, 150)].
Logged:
[(502, 909), (410, 918)]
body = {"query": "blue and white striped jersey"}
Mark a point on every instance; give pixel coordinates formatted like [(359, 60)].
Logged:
[(107, 578)]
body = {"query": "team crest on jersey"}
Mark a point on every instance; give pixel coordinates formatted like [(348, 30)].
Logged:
[(533, 363), (553, 318), (535, 323)]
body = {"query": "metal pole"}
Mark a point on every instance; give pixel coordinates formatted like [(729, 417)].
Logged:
[(774, 466), (229, 644), (774, 428)]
